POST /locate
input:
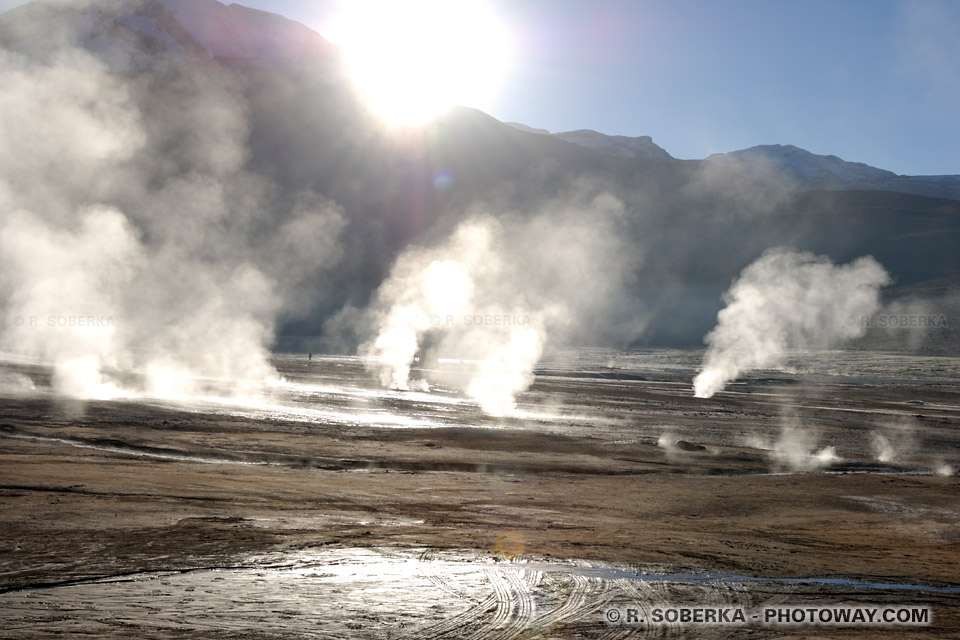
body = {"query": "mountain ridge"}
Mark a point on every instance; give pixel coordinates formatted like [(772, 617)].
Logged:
[(155, 34), (158, 33), (785, 163), (622, 146)]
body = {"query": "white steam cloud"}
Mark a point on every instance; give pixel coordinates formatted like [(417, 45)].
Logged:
[(787, 300), (944, 469), (492, 295), (882, 448), (424, 289), (138, 255), (895, 440), (795, 450), (47, 271)]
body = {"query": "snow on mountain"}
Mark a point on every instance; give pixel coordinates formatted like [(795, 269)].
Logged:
[(154, 34), (784, 164), (623, 146), (640, 147), (812, 171), (793, 162)]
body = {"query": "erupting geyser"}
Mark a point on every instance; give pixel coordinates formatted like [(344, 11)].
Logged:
[(423, 291), (139, 255), (457, 292), (787, 300), (494, 292)]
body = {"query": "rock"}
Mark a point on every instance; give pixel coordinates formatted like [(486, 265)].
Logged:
[(689, 446)]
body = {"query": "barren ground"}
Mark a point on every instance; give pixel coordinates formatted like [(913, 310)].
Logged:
[(125, 519)]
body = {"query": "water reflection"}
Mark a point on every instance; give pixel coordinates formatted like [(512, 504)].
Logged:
[(366, 592)]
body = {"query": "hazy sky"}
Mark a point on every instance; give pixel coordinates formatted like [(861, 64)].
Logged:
[(875, 81)]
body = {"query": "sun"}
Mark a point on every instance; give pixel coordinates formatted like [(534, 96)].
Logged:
[(413, 60)]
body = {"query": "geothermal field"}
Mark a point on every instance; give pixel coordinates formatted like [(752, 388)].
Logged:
[(341, 323), (325, 506)]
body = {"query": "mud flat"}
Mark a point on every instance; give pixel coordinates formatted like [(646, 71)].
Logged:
[(331, 509)]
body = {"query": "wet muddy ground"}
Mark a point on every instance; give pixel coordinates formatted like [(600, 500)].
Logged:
[(331, 509)]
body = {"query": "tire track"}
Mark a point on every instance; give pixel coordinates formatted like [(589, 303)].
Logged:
[(526, 603), (575, 601), (456, 624), (601, 596), (646, 596), (511, 601), (618, 633), (427, 568), (526, 607), (504, 599), (585, 596), (532, 578)]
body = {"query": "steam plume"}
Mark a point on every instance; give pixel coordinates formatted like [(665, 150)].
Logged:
[(787, 300), (424, 289), (795, 449), (882, 448), (138, 255), (495, 293), (895, 440)]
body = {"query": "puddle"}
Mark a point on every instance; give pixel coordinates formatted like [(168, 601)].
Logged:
[(371, 592), (739, 580)]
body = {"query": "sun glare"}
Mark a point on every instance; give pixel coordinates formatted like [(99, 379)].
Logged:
[(413, 60)]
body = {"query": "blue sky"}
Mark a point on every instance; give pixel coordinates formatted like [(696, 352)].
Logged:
[(875, 81), (870, 81)]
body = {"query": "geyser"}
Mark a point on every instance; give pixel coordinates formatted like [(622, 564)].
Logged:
[(787, 300)]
